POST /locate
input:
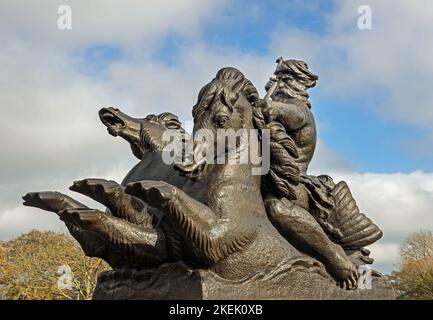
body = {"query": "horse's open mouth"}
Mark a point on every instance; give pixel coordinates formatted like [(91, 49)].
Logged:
[(113, 123)]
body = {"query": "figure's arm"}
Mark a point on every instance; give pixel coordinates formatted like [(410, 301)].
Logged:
[(214, 237), (291, 115)]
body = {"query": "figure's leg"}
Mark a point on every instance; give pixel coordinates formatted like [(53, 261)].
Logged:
[(304, 232), (112, 195)]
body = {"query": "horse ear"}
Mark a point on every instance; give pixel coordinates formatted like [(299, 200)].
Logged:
[(171, 121)]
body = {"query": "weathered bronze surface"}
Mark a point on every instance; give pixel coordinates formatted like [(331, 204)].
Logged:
[(203, 230)]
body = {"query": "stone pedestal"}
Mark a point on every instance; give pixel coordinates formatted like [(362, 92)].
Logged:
[(176, 281)]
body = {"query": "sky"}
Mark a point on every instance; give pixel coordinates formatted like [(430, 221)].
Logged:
[(373, 102)]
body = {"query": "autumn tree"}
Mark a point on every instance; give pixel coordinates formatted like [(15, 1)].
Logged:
[(47, 265), (414, 280)]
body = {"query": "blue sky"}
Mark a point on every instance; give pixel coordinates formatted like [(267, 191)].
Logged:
[(370, 143), (248, 25)]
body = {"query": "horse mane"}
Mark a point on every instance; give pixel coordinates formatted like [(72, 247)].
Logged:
[(284, 172), (227, 85), (152, 143)]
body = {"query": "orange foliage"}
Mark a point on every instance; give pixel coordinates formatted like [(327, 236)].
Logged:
[(414, 280), (31, 266)]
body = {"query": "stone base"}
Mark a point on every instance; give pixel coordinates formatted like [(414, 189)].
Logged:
[(176, 281)]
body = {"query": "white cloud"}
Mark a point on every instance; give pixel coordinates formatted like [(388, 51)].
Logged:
[(16, 219), (326, 161), (105, 21), (19, 220), (49, 129), (147, 82), (386, 256)]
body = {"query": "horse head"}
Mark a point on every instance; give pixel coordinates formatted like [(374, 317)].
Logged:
[(144, 135), (224, 107)]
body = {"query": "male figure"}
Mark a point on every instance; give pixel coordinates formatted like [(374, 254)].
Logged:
[(304, 216)]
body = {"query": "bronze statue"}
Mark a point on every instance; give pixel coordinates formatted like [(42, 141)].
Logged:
[(199, 228)]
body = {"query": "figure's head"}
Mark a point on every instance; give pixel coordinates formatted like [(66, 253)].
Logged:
[(294, 80), (144, 135), (224, 103)]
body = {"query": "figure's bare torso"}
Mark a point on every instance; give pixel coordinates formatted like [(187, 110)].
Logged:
[(298, 120), (305, 139)]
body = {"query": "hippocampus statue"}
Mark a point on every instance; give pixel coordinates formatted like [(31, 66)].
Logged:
[(199, 228)]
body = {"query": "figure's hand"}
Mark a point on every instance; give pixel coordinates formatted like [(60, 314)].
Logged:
[(155, 193), (274, 111)]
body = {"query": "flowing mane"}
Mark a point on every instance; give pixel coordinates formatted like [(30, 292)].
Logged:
[(227, 84), (284, 173)]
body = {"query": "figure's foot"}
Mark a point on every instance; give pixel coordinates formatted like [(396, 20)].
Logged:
[(154, 193), (51, 201), (344, 271), (101, 190)]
